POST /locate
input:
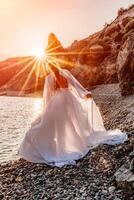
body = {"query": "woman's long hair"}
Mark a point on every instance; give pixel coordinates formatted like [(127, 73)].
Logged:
[(59, 81)]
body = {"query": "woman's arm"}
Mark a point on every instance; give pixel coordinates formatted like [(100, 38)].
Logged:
[(72, 80), (48, 89)]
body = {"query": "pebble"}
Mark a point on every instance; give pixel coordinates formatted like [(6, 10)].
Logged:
[(104, 192), (19, 179), (111, 189)]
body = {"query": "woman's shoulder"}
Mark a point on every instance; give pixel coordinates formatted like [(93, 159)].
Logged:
[(49, 77)]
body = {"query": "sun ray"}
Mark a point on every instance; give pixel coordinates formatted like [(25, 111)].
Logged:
[(50, 44), (54, 48), (28, 78), (68, 53), (37, 75), (39, 64), (71, 53), (21, 71), (49, 68), (43, 68), (13, 65)]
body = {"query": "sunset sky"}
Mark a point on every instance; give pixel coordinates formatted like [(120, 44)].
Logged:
[(25, 24)]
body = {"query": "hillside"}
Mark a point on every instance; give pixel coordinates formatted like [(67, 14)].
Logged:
[(14, 73)]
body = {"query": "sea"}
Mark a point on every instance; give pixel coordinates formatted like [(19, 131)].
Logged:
[(16, 116)]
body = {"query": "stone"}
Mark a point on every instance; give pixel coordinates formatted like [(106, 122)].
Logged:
[(33, 175), (104, 192), (132, 165), (19, 179), (111, 189), (116, 198), (125, 67), (131, 155)]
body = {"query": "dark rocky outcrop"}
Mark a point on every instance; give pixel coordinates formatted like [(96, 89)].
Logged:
[(125, 66)]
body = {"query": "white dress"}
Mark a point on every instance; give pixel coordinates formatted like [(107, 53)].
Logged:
[(68, 127)]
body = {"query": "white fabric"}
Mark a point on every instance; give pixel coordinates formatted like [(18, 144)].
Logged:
[(68, 127)]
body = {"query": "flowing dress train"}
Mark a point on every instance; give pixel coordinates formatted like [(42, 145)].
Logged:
[(69, 126)]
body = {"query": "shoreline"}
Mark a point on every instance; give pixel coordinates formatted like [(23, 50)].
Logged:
[(33, 95)]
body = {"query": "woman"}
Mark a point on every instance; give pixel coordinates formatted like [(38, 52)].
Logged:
[(69, 126)]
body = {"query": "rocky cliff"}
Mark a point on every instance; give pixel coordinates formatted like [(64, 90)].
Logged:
[(108, 55)]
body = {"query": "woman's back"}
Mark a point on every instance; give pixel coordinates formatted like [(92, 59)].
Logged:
[(60, 82)]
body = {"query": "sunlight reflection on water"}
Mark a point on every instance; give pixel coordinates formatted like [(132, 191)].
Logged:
[(37, 106), (16, 116)]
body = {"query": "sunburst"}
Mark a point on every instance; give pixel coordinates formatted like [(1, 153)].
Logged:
[(40, 64)]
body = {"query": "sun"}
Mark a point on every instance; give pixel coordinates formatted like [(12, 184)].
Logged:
[(39, 53)]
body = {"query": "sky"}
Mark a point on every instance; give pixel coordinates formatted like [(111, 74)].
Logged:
[(26, 24)]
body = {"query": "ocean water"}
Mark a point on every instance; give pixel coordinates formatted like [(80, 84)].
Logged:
[(16, 116)]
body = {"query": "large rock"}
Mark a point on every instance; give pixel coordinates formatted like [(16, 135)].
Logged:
[(125, 66), (56, 53), (125, 180), (54, 45)]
